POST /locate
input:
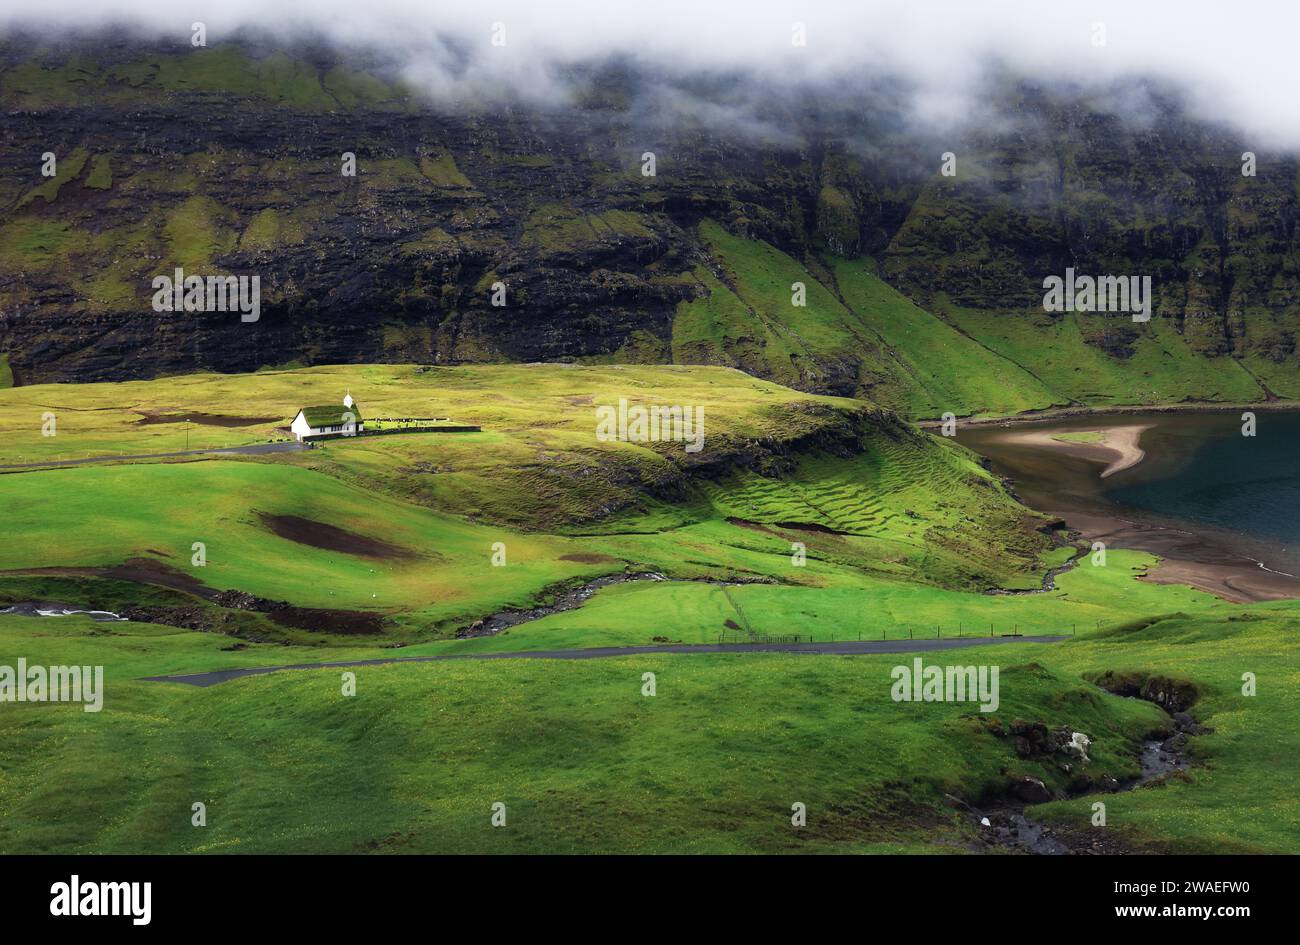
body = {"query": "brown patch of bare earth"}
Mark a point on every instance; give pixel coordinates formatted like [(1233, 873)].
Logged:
[(138, 570), (787, 526), (348, 622), (207, 419), (1240, 584), (147, 571), (305, 531), (589, 559)]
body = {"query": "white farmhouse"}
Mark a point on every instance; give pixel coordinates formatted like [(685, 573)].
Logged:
[(328, 421)]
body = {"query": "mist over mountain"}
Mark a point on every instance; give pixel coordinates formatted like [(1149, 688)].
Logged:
[(1231, 67)]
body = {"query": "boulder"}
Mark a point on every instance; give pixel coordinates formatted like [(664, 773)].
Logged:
[(1030, 790), (1077, 746)]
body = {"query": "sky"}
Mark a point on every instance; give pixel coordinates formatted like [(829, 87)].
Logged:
[(1235, 62)]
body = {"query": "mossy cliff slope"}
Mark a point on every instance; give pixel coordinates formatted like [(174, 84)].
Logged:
[(922, 292)]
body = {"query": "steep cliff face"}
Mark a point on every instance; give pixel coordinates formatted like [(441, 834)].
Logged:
[(229, 161), (1075, 188)]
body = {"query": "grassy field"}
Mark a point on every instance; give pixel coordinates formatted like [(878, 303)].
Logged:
[(902, 534), (583, 762)]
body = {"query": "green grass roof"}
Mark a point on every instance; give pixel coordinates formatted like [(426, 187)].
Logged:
[(335, 416)]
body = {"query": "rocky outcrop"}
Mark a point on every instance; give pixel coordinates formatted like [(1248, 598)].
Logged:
[(1173, 695)]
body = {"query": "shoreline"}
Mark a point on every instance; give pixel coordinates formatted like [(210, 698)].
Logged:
[(1187, 554), (1223, 572), (1081, 410)]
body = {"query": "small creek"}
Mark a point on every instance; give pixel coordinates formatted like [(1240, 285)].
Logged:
[(47, 609), (1006, 825)]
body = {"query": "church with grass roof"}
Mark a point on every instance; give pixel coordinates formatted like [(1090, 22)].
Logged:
[(328, 421)]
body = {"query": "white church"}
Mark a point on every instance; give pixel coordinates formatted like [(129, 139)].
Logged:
[(328, 421)]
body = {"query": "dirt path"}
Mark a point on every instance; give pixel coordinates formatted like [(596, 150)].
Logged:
[(843, 648)]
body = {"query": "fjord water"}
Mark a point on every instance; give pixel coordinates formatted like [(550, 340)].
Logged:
[(1203, 491), (1203, 470)]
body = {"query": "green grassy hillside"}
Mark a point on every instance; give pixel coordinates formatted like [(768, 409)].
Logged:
[(902, 534), (859, 335), (1063, 351), (412, 520), (946, 370)]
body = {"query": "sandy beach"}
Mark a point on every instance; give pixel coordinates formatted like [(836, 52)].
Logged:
[(1116, 448)]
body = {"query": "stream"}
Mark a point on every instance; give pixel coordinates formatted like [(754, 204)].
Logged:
[(47, 609), (1007, 827)]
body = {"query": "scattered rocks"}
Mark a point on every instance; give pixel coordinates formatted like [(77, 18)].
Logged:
[(1186, 725), (1176, 743), (238, 600), (1159, 761), (1036, 740), (1006, 828)]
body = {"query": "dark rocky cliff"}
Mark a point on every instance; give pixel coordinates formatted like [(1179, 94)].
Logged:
[(227, 160)]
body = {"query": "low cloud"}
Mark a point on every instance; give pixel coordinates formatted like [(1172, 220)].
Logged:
[(1230, 63)]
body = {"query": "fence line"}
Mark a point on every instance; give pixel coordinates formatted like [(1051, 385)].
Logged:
[(910, 632)]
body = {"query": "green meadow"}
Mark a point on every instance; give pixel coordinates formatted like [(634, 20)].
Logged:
[(585, 763), (818, 516)]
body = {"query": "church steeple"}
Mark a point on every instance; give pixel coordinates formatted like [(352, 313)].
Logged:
[(347, 400)]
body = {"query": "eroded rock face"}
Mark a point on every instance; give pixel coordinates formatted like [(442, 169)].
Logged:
[(1036, 740), (1173, 695), (350, 269)]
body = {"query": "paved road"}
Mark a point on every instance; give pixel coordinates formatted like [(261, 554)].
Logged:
[(251, 450), (841, 648)]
